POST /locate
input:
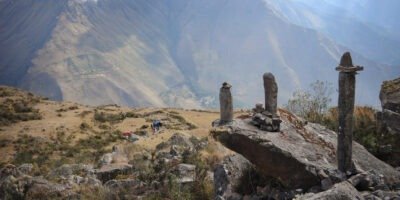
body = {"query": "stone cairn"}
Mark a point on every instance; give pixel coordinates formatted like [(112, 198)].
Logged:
[(347, 83), (226, 105), (267, 119)]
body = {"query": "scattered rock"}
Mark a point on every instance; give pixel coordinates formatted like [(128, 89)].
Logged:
[(111, 171), (106, 159), (135, 187), (68, 170), (177, 139), (16, 185), (26, 168), (186, 173), (342, 191)]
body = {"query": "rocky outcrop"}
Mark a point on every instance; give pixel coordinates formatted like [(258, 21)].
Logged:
[(300, 156), (227, 175), (342, 191), (186, 173), (111, 171), (15, 184), (179, 145), (236, 178), (389, 95), (389, 121)]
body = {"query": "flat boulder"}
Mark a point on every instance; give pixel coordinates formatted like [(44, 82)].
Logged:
[(340, 191), (111, 171), (300, 155)]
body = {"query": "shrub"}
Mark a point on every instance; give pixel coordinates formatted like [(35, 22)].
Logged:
[(108, 117), (365, 130), (21, 107), (84, 126), (311, 105), (132, 115), (73, 107)]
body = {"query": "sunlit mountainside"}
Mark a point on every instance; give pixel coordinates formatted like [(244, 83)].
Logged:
[(177, 53)]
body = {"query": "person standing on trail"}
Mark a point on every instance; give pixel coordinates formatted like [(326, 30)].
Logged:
[(156, 125)]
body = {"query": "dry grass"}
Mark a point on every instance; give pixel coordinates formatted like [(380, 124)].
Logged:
[(77, 136)]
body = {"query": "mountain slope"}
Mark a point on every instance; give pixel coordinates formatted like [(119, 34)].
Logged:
[(175, 53), (347, 23)]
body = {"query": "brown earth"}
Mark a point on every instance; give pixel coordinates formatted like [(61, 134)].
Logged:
[(67, 131)]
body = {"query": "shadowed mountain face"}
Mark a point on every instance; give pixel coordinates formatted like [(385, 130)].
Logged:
[(168, 53)]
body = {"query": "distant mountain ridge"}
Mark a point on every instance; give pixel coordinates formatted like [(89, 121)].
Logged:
[(167, 53), (347, 23)]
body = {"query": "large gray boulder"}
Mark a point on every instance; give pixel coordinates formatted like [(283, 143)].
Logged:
[(186, 172), (299, 156), (227, 176), (111, 171), (389, 121), (340, 191), (389, 95)]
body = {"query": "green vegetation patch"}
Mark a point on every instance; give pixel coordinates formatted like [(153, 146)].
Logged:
[(61, 149), (108, 117), (13, 111)]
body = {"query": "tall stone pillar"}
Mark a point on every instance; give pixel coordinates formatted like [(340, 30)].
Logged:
[(271, 93), (225, 101), (347, 83)]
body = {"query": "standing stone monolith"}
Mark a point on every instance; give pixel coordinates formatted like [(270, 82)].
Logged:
[(347, 82), (271, 93), (226, 105)]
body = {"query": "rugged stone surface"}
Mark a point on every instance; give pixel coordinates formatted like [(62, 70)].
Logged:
[(389, 120), (300, 156), (14, 184), (67, 170), (227, 175), (390, 95), (177, 139), (226, 103), (135, 187), (340, 191), (111, 171), (271, 93), (186, 173), (347, 84)]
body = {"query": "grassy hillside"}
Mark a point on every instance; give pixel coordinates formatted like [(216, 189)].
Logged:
[(50, 134)]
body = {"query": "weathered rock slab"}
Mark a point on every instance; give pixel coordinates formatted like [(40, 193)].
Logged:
[(390, 121), (300, 156), (186, 173), (340, 191), (390, 95), (227, 176), (109, 172)]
